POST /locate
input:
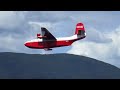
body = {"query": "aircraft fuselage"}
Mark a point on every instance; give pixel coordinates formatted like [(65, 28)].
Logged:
[(59, 42), (46, 40)]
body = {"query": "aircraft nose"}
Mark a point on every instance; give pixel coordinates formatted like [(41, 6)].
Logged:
[(26, 44)]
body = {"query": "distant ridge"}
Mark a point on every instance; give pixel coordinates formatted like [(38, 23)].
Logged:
[(54, 66)]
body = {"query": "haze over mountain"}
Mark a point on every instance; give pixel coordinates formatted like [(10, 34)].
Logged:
[(54, 66)]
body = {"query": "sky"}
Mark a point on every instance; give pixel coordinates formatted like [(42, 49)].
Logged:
[(102, 28)]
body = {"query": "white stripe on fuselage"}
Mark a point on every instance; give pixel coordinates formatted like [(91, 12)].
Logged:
[(67, 38), (58, 39)]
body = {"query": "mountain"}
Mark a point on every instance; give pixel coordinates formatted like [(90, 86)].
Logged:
[(54, 66)]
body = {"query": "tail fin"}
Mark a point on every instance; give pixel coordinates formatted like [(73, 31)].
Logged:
[(80, 29)]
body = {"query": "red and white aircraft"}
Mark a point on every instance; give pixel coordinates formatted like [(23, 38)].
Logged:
[(47, 41)]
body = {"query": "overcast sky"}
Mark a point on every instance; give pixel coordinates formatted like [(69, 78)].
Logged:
[(102, 29)]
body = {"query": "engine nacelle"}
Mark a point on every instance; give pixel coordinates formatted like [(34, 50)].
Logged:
[(39, 36)]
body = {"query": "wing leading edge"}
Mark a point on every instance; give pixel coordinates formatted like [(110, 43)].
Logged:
[(47, 34)]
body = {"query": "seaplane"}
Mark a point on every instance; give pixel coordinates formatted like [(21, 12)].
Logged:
[(47, 41)]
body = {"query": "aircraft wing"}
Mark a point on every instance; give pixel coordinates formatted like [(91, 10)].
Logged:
[(47, 34)]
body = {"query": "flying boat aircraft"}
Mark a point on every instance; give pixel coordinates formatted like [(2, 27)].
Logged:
[(47, 41)]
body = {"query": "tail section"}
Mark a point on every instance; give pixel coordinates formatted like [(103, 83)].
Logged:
[(80, 29)]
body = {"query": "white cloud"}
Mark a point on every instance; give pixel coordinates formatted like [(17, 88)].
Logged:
[(48, 16), (36, 27), (15, 43), (97, 36), (8, 42), (108, 52), (90, 49), (11, 19), (40, 24), (98, 44)]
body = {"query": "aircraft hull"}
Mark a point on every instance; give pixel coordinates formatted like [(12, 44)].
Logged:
[(47, 41), (48, 44)]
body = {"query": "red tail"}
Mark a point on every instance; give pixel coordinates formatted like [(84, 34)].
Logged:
[(80, 29)]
